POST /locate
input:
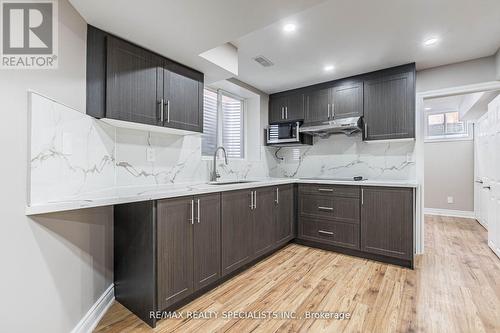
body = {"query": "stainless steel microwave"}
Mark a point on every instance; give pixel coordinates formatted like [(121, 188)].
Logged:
[(286, 134)]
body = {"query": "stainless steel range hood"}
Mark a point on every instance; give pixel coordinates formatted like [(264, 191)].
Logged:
[(346, 126)]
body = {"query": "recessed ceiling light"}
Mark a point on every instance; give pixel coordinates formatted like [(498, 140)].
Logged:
[(431, 41), (428, 108), (289, 27), (328, 68)]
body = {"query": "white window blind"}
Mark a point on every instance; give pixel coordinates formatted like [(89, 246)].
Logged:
[(223, 124), (232, 126), (209, 137)]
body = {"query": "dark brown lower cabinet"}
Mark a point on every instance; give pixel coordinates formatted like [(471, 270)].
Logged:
[(167, 252), (174, 250), (387, 221), (330, 232), (237, 229), (263, 220), (254, 223), (206, 240), (284, 216)]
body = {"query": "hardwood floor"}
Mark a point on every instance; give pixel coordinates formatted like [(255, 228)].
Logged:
[(455, 287)]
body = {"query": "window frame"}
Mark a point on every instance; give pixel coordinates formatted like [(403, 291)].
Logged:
[(467, 136), (220, 122)]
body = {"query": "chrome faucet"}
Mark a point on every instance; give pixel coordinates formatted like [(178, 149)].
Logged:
[(214, 175)]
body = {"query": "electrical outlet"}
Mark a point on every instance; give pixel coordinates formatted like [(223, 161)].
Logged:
[(450, 200), (150, 154)]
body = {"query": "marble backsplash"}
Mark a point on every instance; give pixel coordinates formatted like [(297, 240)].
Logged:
[(340, 156), (73, 155)]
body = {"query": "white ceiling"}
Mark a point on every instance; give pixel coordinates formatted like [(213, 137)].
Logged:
[(355, 36)]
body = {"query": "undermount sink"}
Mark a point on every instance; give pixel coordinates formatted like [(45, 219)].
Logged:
[(229, 182)]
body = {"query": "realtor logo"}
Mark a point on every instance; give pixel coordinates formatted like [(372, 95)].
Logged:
[(29, 34)]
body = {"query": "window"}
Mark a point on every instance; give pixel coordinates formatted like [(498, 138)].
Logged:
[(223, 123), (442, 126)]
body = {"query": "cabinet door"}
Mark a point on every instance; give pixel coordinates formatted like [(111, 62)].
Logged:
[(294, 108), (183, 99), (387, 221), (131, 83), (236, 230), (174, 250), (389, 107), (263, 227), (284, 214), (277, 109), (347, 100), (317, 106), (206, 243)]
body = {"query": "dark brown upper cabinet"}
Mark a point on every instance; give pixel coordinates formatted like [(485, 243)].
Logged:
[(128, 83), (131, 78), (318, 106), (347, 100), (390, 106), (385, 98), (341, 101), (182, 98), (286, 108), (387, 221)]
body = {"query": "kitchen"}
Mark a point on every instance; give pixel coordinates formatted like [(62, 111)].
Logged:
[(220, 176)]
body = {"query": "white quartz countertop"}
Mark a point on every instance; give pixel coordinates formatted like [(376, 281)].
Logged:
[(134, 194)]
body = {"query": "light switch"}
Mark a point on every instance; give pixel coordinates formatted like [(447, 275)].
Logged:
[(450, 200), (150, 154)]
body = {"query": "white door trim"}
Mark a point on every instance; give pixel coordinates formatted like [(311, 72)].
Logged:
[(419, 145)]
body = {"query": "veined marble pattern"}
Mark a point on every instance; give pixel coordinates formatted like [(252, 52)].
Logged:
[(73, 154), (70, 153), (340, 156)]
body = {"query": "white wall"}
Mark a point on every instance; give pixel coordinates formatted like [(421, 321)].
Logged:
[(449, 171), (459, 74), (497, 59), (54, 267)]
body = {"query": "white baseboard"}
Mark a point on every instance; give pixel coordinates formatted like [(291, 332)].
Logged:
[(450, 212), (96, 312), (495, 249)]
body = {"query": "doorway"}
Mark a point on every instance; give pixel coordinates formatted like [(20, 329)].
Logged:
[(458, 139)]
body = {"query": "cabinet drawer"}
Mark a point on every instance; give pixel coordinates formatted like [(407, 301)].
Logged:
[(330, 232), (351, 191), (343, 209)]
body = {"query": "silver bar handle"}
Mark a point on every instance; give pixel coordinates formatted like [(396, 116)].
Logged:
[(255, 200), (162, 113), (325, 189), (328, 110), (198, 213), (286, 112), (333, 110), (329, 233), (362, 196), (251, 200), (282, 112), (192, 211), (366, 130), (325, 208), (487, 187), (167, 102), (479, 181), (277, 195)]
